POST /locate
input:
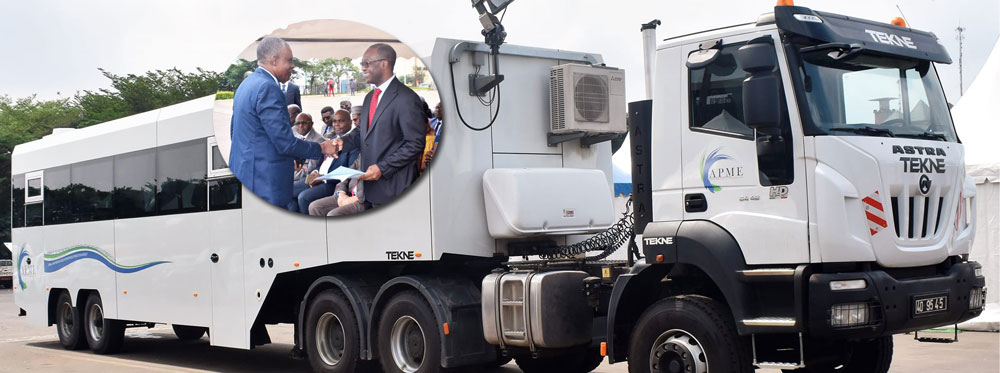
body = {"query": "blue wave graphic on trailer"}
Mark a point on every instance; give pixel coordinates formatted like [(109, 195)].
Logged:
[(59, 260)]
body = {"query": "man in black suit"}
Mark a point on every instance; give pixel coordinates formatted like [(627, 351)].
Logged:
[(292, 95), (391, 131)]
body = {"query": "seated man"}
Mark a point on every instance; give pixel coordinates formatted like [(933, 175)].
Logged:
[(319, 189), (303, 130), (344, 201)]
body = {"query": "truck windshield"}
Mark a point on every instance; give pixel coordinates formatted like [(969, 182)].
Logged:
[(866, 95)]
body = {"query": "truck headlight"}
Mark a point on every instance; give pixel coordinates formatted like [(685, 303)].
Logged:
[(977, 296), (848, 314), (979, 271), (848, 285)]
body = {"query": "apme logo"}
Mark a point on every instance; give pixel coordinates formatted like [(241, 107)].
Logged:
[(24, 267), (708, 173)]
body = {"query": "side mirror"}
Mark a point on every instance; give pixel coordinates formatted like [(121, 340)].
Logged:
[(762, 89)]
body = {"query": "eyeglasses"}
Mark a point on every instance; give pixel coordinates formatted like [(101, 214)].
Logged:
[(365, 64), (300, 122)]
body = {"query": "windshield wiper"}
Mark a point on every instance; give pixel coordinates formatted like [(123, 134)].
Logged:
[(866, 130), (925, 135)]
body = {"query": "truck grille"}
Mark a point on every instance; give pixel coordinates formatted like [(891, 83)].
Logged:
[(917, 217)]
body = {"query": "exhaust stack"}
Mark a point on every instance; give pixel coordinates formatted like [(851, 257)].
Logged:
[(648, 52)]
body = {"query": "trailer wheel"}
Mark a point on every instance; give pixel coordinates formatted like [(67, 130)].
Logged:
[(188, 333), (68, 323), (408, 339), (581, 361), (873, 356), (333, 342), (104, 336), (687, 334)]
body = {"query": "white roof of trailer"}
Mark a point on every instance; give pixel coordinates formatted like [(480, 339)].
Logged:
[(181, 122)]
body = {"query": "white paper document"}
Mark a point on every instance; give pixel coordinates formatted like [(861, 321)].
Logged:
[(341, 173)]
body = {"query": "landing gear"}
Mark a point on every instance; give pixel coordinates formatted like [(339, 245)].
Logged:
[(189, 333)]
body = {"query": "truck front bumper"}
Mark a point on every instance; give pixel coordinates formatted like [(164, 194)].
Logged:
[(886, 305)]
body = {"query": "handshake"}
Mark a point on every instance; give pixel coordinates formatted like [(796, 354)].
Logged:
[(332, 147)]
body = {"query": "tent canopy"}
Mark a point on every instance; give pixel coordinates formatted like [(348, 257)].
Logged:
[(330, 38), (975, 115)]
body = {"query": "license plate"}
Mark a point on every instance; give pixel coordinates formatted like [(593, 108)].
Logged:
[(930, 304)]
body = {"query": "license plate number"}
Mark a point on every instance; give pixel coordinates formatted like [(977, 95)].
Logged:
[(930, 304)]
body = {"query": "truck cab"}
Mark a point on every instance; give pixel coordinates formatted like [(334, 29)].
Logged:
[(801, 173)]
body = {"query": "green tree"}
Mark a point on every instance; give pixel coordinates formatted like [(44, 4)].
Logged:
[(133, 94), (235, 73)]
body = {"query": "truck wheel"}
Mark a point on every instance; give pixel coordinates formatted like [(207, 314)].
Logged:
[(687, 334), (188, 333), (408, 339), (68, 323), (104, 336), (873, 356), (332, 341), (581, 361)]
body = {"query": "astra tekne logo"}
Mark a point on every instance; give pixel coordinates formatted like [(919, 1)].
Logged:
[(708, 173)]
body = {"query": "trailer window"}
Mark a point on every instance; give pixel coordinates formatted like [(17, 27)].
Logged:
[(17, 201), (180, 174), (135, 184), (224, 194), (35, 187), (58, 196), (715, 96), (91, 190), (33, 215)]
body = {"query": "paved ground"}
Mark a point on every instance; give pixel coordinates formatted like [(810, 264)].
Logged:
[(25, 348)]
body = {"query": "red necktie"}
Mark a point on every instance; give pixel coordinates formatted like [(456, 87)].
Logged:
[(374, 104)]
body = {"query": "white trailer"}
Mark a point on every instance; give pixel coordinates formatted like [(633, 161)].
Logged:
[(779, 222)]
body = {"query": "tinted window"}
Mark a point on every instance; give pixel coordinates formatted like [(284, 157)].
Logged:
[(33, 215), (218, 162), (17, 201), (35, 187), (224, 194), (715, 95), (180, 174), (91, 190), (58, 197), (135, 184)]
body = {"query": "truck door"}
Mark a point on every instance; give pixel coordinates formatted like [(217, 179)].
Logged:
[(748, 182)]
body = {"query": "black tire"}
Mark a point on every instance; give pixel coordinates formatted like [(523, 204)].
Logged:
[(333, 342), (690, 331), (407, 326), (69, 323), (188, 333), (580, 361), (872, 356), (104, 336)]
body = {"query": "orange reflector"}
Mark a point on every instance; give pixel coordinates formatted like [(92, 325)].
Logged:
[(124, 291), (295, 264), (898, 21), (46, 289), (604, 348), (196, 294), (659, 258), (786, 3), (418, 254), (446, 330)]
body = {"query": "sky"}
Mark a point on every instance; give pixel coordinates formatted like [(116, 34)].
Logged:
[(54, 48)]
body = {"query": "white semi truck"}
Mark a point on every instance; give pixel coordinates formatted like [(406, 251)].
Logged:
[(799, 196)]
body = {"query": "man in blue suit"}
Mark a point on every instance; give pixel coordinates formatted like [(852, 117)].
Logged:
[(263, 147), (391, 134)]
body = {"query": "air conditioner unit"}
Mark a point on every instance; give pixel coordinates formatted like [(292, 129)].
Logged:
[(587, 99)]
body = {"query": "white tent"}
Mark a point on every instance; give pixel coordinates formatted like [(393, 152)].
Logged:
[(979, 127)]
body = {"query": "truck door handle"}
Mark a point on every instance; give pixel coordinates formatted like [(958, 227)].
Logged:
[(695, 202), (214, 258)]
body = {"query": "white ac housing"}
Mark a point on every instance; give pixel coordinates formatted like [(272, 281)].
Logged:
[(587, 99)]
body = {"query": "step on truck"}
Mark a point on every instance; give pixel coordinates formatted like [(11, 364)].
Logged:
[(799, 196)]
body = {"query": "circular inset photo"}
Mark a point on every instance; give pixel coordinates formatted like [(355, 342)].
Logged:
[(327, 117)]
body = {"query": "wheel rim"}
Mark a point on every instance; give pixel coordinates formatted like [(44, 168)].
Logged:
[(95, 321), (330, 339), (677, 351), (407, 342), (66, 319)]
